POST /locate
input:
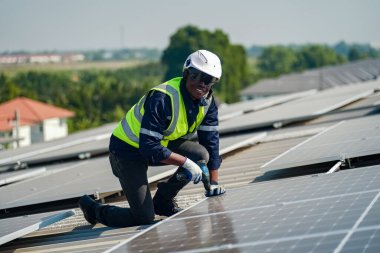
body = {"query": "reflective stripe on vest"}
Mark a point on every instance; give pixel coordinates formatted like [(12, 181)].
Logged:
[(128, 131), (208, 128), (138, 107), (175, 106)]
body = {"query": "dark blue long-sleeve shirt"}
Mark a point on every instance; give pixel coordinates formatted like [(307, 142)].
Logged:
[(157, 117)]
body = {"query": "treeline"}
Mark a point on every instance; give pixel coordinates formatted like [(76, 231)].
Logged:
[(96, 97), (123, 54), (350, 51), (276, 60)]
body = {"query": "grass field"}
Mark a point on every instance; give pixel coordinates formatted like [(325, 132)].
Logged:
[(11, 70)]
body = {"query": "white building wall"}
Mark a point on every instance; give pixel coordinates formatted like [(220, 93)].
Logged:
[(47, 130), (54, 128), (23, 132)]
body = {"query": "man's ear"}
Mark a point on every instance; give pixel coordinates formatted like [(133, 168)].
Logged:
[(185, 74)]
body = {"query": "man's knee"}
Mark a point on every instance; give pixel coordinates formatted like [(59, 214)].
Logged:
[(145, 219), (200, 153), (143, 215)]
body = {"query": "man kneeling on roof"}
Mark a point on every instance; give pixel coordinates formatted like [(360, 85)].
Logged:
[(157, 131)]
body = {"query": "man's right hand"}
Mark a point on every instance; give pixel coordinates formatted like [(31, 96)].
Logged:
[(192, 170)]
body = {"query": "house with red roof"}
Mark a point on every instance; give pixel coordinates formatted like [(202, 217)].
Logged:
[(32, 121)]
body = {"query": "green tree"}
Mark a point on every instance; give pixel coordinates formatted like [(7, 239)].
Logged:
[(354, 55), (8, 89), (315, 56), (277, 60), (233, 57)]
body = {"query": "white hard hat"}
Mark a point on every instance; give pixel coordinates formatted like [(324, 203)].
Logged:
[(204, 61)]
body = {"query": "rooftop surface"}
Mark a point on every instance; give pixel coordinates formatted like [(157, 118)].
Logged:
[(292, 208)]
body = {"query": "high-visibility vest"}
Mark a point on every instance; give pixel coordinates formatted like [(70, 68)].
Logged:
[(129, 128)]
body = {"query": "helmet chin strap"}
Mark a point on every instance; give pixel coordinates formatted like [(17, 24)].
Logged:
[(208, 95)]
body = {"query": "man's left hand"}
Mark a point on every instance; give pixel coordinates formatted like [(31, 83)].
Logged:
[(215, 190)]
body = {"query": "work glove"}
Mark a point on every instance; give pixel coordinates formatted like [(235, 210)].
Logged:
[(192, 170), (215, 190)]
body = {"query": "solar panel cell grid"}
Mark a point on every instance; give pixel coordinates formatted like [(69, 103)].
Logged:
[(364, 241), (309, 214)]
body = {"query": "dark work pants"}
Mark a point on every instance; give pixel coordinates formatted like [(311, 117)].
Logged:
[(132, 174)]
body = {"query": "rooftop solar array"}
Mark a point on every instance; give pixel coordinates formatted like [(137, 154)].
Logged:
[(322, 78), (336, 212), (73, 180), (300, 109), (89, 177), (76, 142), (231, 110), (344, 140), (16, 227)]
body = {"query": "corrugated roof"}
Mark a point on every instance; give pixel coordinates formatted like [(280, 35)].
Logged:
[(320, 78)]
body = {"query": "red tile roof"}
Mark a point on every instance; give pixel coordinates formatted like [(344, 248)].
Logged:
[(31, 112)]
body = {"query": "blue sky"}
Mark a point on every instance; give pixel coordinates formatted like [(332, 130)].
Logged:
[(93, 24)]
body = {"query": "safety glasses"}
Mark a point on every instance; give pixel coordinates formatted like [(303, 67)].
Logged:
[(199, 76)]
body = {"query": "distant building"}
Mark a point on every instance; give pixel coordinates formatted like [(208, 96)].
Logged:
[(320, 79), (32, 121), (40, 58)]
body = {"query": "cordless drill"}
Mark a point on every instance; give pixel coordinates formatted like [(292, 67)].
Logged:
[(182, 176)]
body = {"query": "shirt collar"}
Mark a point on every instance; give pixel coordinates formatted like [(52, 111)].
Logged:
[(187, 99)]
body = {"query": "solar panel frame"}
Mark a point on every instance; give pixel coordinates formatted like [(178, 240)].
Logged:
[(16, 227), (11, 177), (342, 141)]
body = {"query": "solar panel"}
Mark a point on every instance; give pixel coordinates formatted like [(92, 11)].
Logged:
[(13, 228), (11, 177), (346, 139), (326, 213), (301, 109), (239, 108)]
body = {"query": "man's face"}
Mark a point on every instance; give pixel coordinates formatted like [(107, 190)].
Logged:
[(198, 84)]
